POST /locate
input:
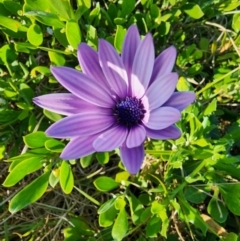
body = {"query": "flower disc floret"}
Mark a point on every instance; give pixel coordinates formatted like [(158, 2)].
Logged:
[(129, 112)]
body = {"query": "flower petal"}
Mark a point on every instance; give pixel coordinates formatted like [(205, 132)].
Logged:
[(171, 132), (78, 147), (181, 100), (130, 45), (161, 90), (113, 68), (83, 124), (64, 103), (132, 158), (110, 139), (88, 59), (162, 117), (142, 66), (82, 86), (136, 136), (164, 63)]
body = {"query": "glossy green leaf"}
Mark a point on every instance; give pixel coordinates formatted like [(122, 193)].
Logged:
[(62, 8), (217, 210), (108, 204), (35, 139), (182, 84), (120, 226), (73, 33), (2, 151), (79, 227), (102, 157), (230, 237), (56, 58), (193, 10), (127, 7), (21, 169), (136, 208), (12, 6), (153, 227), (231, 196), (60, 36), (194, 195), (53, 179), (105, 184), (24, 47), (35, 35), (46, 18), (107, 217), (26, 93), (204, 44), (66, 177), (52, 116), (119, 38), (86, 161), (11, 24), (236, 22), (54, 145), (29, 194), (191, 215), (212, 106)]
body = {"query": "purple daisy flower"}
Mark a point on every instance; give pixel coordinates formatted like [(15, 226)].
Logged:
[(117, 101)]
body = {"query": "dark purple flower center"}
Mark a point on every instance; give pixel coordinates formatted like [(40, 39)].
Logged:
[(129, 112)]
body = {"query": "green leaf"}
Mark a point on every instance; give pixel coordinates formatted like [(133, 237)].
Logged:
[(53, 178), (12, 6), (54, 145), (35, 139), (193, 10), (60, 36), (66, 177), (21, 169), (136, 208), (26, 93), (62, 8), (236, 22), (230, 237), (153, 227), (11, 24), (231, 196), (217, 210), (212, 106), (108, 204), (52, 116), (49, 19), (204, 44), (105, 184), (35, 35), (194, 195), (24, 47), (56, 58), (107, 216), (86, 161), (120, 226), (79, 227), (182, 84), (7, 54), (29, 194), (102, 157), (73, 33), (127, 7), (2, 151), (191, 215), (119, 38)]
